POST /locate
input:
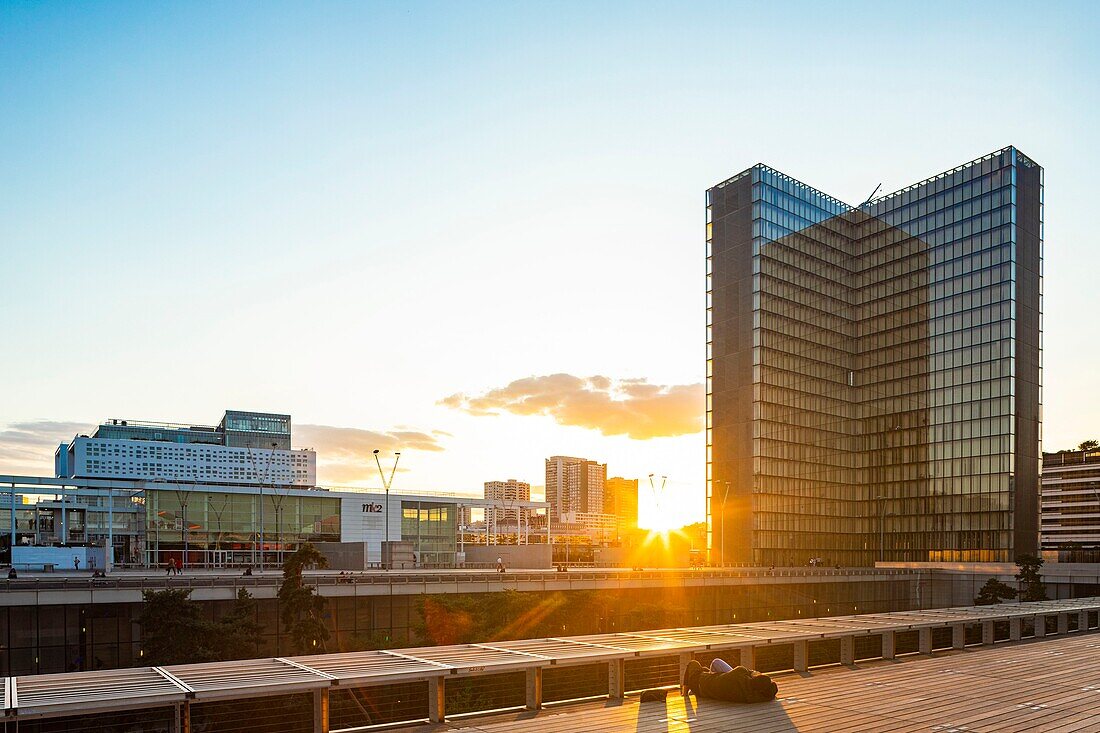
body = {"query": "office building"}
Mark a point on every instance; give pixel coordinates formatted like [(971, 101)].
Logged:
[(620, 499), (245, 448), (1070, 530), (574, 485), (873, 372)]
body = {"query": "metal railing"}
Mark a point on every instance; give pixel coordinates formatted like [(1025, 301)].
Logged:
[(206, 579)]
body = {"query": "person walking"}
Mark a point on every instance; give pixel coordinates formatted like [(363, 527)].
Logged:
[(170, 566), (76, 562), (500, 565)]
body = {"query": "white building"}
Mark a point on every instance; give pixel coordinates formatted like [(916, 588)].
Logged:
[(190, 463), (503, 498), (598, 526), (245, 448)]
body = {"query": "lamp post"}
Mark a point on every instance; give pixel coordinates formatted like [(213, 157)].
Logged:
[(386, 483), (260, 543), (278, 498), (722, 521), (882, 514)]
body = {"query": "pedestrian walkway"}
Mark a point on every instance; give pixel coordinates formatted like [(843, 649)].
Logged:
[(1050, 685)]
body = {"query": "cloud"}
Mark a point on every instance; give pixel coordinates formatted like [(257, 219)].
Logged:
[(344, 455), (26, 448), (631, 407)]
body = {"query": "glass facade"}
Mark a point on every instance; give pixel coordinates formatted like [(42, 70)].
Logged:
[(433, 530), (256, 430), (873, 372), (216, 529)]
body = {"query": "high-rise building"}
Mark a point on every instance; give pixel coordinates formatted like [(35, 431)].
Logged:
[(574, 485), (1071, 506), (504, 495), (250, 448), (620, 498), (873, 372)]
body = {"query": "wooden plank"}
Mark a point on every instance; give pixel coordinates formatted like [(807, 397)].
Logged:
[(1048, 685)]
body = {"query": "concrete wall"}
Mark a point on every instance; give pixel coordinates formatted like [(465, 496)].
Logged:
[(343, 555), (31, 557), (957, 584), (514, 556), (353, 555), (676, 555)]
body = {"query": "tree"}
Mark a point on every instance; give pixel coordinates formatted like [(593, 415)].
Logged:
[(993, 592), (1088, 445), (237, 634), (1031, 584), (303, 611), (173, 629)]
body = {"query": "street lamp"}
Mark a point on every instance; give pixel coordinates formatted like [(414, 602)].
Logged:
[(386, 484), (882, 514), (725, 497)]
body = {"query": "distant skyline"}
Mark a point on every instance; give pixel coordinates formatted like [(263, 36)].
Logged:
[(475, 232)]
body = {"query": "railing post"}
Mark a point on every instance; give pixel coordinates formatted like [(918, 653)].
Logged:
[(1040, 626), (1082, 620), (924, 641), (958, 636), (748, 657), (437, 703), (888, 644), (616, 678), (987, 632), (534, 688), (847, 650), (801, 656), (685, 660), (1063, 623), (320, 711), (1015, 628)]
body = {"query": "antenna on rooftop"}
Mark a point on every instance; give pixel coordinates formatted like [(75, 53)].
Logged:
[(872, 196)]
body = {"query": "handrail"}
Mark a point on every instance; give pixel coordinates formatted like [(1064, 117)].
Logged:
[(208, 580)]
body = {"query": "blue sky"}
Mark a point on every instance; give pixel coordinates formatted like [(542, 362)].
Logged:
[(351, 211)]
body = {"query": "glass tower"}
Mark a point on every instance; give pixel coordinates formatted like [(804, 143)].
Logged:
[(873, 372)]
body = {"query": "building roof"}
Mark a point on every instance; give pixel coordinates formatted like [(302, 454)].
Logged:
[(52, 484)]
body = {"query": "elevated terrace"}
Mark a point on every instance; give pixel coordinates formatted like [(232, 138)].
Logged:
[(1050, 686), (1047, 685)]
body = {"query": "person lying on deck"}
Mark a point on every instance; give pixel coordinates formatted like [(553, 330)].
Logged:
[(723, 682)]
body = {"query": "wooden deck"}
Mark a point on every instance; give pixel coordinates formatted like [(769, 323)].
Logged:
[(1050, 685)]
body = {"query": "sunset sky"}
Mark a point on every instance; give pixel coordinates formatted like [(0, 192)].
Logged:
[(475, 231)]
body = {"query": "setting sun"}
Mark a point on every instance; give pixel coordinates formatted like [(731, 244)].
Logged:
[(667, 509)]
